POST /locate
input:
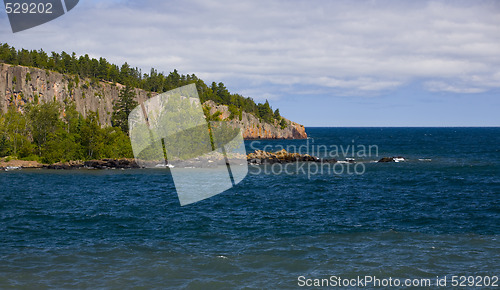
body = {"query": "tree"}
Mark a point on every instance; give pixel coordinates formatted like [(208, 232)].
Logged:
[(91, 139), (223, 94), (124, 73), (61, 146), (4, 142), (122, 108), (4, 145), (265, 112), (17, 130), (283, 124), (116, 143), (44, 120), (277, 115)]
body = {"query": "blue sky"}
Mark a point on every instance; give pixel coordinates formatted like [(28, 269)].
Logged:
[(323, 63)]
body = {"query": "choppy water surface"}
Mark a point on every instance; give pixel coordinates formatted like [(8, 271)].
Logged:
[(125, 228)]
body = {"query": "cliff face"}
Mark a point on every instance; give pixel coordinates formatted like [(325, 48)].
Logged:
[(21, 85), (254, 129)]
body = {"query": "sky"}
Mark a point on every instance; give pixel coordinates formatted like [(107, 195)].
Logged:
[(322, 63)]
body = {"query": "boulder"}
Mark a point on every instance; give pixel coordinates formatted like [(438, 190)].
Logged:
[(392, 159)]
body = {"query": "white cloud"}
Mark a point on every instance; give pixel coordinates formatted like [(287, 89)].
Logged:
[(439, 86), (344, 47)]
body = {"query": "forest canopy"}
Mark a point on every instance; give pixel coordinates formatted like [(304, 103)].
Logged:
[(40, 134)]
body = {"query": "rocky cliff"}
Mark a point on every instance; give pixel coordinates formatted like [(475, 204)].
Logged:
[(21, 85), (254, 129)]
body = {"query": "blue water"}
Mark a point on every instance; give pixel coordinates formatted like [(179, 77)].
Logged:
[(437, 216)]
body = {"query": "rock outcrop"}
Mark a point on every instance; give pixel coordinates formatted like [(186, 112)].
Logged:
[(96, 164), (392, 159), (20, 85), (18, 164), (254, 129), (282, 156)]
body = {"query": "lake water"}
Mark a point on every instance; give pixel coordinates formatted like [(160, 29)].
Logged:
[(435, 215)]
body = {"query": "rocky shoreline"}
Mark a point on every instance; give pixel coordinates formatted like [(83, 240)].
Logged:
[(255, 158), (125, 163)]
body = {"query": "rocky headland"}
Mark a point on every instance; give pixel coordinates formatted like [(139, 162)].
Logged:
[(20, 85)]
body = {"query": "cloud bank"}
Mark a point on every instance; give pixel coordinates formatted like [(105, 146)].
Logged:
[(271, 49)]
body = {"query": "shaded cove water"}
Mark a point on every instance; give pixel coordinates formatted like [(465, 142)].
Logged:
[(438, 214)]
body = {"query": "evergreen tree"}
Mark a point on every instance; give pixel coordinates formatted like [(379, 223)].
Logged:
[(122, 108), (277, 115), (265, 112), (223, 94), (283, 124)]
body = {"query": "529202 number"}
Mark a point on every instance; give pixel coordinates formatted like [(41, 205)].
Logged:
[(28, 8), (474, 281)]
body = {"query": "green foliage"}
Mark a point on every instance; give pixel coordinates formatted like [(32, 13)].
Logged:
[(265, 112), (283, 124), (4, 142), (91, 138), (122, 108), (61, 146), (4, 145), (44, 120), (101, 69), (277, 115), (16, 130), (211, 117), (216, 116), (71, 85), (40, 134), (116, 143), (233, 110)]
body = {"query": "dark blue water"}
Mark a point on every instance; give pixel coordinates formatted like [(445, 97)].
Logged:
[(438, 214)]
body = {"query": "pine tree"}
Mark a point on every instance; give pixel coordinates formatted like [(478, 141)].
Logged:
[(277, 115), (265, 112), (125, 104)]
